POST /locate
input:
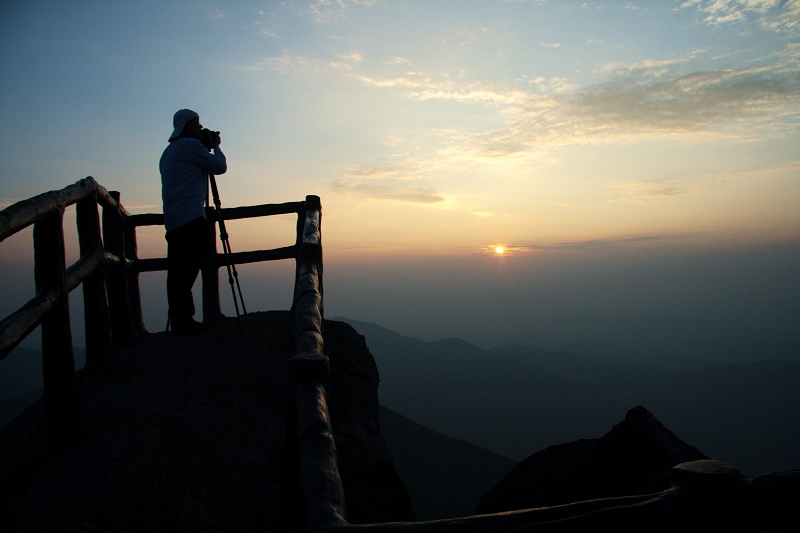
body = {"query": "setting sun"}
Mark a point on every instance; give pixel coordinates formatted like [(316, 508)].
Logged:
[(499, 249)]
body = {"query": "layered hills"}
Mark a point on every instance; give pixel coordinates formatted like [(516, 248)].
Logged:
[(516, 400)]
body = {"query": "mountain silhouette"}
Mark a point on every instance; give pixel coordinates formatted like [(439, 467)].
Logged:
[(515, 400), (635, 457)]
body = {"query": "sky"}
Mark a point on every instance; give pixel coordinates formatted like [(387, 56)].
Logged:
[(633, 160)]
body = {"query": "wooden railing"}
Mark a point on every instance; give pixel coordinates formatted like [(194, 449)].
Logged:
[(109, 268)]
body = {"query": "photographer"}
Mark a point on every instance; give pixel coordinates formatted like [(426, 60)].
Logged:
[(185, 166)]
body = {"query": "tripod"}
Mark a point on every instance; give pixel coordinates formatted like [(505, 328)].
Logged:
[(226, 247)]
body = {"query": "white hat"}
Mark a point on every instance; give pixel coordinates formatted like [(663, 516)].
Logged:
[(179, 121)]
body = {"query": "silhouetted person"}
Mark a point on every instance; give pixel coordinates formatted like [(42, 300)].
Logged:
[(185, 166)]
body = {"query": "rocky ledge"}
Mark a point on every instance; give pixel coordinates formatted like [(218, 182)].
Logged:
[(187, 434)]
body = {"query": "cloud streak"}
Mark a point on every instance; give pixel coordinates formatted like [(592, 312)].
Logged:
[(285, 64), (332, 11), (385, 184), (771, 15), (648, 99), (643, 102), (648, 191)]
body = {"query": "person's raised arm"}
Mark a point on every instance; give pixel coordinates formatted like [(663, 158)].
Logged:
[(213, 163)]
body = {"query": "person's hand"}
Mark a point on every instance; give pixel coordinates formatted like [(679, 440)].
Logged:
[(217, 139)]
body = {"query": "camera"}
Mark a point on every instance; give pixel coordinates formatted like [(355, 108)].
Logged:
[(209, 138)]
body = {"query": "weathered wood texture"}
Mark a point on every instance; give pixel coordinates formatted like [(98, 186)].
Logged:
[(264, 210), (320, 486), (132, 277), (122, 331), (58, 363), (20, 323), (229, 213), (215, 260), (99, 354), (22, 214)]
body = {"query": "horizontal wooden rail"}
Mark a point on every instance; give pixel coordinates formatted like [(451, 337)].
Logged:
[(84, 267), (20, 215), (16, 326), (237, 258), (263, 210), (228, 213), (20, 323), (627, 513)]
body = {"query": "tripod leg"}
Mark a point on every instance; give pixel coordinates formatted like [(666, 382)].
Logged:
[(223, 236), (238, 287)]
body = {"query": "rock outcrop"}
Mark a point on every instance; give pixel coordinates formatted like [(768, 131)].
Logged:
[(635, 457), (187, 434)]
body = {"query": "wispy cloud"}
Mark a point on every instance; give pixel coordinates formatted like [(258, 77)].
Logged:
[(386, 184), (397, 60), (645, 100), (332, 11), (649, 191), (642, 100), (350, 56), (772, 15), (549, 45), (650, 67), (592, 244), (553, 85), (285, 64), (595, 243)]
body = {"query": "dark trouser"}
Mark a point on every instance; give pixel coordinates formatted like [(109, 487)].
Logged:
[(186, 246)]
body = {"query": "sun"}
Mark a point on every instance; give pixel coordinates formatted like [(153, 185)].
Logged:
[(499, 249)]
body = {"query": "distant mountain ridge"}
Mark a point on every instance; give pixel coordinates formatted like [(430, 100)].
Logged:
[(516, 400)]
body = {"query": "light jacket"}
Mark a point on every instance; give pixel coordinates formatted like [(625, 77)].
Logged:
[(185, 166)]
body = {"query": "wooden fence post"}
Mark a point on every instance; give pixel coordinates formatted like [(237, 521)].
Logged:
[(210, 273), (134, 294), (116, 278), (314, 202), (58, 362), (99, 353), (301, 220)]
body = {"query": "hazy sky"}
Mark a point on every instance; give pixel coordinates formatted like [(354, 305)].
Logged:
[(431, 129)]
